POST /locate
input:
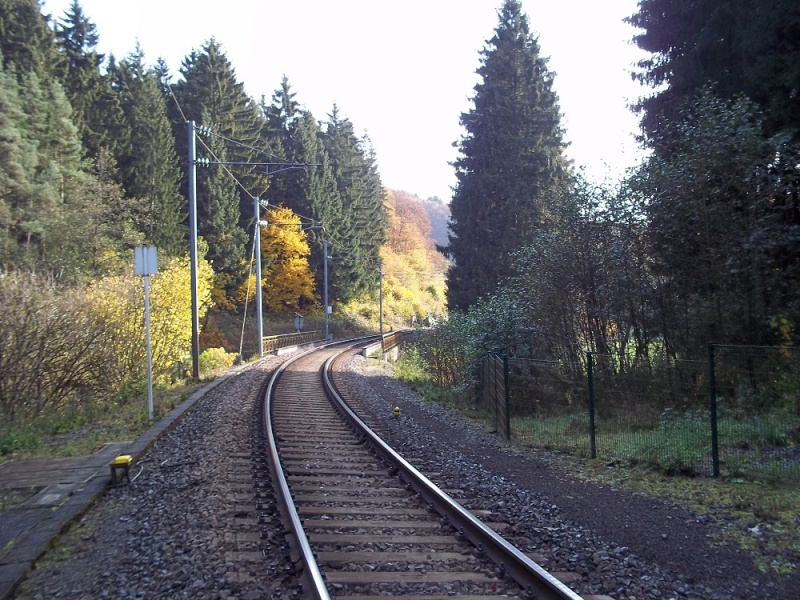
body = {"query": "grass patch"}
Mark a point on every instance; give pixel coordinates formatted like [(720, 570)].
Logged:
[(761, 516), (79, 430), (761, 449)]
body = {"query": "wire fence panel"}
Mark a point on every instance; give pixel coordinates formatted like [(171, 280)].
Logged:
[(493, 392), (736, 414), (758, 410), (653, 412), (548, 404)]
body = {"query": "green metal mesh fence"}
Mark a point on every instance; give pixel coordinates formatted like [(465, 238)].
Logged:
[(758, 410), (735, 414)]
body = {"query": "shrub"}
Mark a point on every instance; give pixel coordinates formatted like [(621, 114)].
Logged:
[(53, 347), (216, 358), (119, 304)]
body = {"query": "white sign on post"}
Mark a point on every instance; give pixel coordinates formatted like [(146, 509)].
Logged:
[(145, 262)]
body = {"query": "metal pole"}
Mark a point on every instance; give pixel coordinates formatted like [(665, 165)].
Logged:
[(495, 394), (193, 250), (592, 426), (507, 398), (712, 409), (147, 345), (325, 284), (380, 295), (257, 253)]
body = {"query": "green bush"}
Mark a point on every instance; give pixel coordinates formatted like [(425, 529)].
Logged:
[(214, 359), (18, 439)]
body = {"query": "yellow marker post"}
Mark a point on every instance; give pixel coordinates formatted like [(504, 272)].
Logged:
[(121, 464)]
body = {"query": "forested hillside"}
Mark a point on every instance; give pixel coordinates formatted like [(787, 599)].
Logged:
[(94, 161), (102, 142), (439, 214), (414, 269)]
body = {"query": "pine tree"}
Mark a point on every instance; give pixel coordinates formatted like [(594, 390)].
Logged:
[(364, 220), (88, 90), (511, 160), (150, 166), (26, 40)]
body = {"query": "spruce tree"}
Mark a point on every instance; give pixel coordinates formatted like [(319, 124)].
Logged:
[(314, 192), (218, 214), (749, 47), (149, 168), (17, 159), (211, 95), (364, 220), (283, 111), (41, 210), (511, 158), (108, 122), (88, 90), (311, 192), (290, 135), (26, 40)]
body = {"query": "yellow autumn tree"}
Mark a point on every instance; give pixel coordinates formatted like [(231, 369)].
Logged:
[(119, 303), (288, 283)]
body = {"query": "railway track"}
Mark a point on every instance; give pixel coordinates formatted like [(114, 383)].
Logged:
[(364, 522)]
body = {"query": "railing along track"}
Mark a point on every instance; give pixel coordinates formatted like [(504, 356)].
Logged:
[(347, 494)]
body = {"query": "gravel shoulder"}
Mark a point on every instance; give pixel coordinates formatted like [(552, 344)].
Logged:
[(655, 530)]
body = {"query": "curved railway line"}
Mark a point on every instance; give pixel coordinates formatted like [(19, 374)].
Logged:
[(363, 521), (202, 518)]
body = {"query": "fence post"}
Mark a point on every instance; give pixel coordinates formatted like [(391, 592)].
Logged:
[(507, 398), (590, 382), (712, 409), (495, 395), (481, 380)]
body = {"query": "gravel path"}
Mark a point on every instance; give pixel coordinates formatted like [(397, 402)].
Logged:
[(192, 525)]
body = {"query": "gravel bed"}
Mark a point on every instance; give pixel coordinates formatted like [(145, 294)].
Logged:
[(187, 526), (192, 526)]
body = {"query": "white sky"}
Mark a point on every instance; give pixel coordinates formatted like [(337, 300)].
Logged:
[(402, 71)]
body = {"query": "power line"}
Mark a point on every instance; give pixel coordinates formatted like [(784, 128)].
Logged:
[(209, 131), (225, 168)]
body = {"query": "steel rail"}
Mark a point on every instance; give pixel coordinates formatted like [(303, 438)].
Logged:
[(315, 584), (315, 587), (535, 580)]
